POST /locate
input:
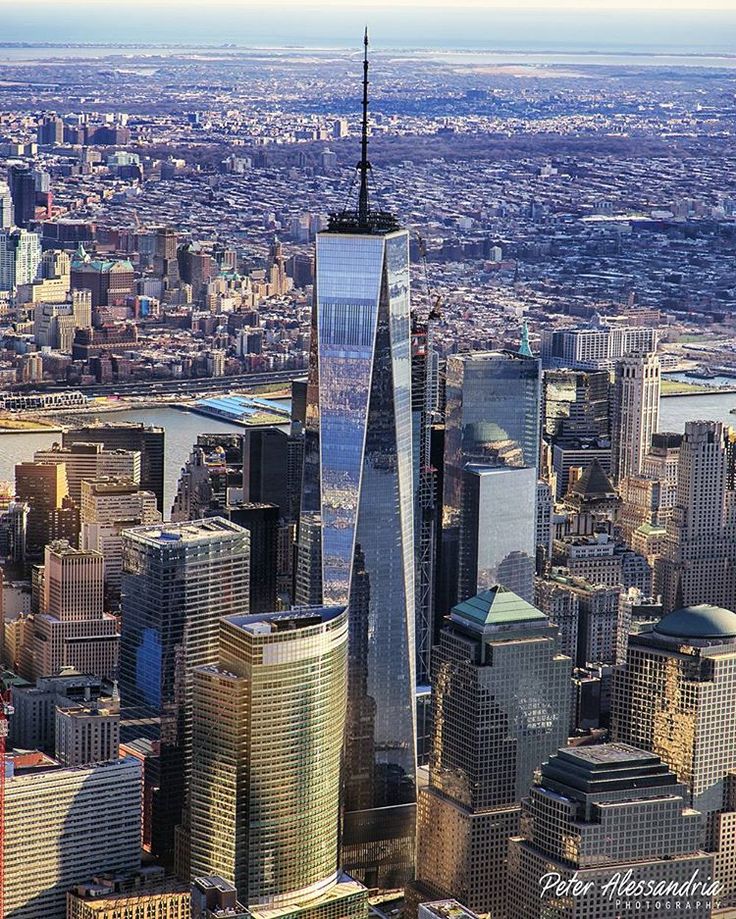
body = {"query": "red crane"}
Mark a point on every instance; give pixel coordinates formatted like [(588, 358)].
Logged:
[(6, 710)]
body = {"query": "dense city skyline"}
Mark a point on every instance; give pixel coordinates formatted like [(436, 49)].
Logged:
[(367, 463)]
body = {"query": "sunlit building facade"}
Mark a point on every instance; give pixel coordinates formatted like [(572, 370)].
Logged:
[(269, 723), (674, 696), (610, 817), (358, 481), (698, 563), (63, 824), (635, 412), (501, 706)]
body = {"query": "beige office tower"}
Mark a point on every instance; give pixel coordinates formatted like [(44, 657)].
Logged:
[(502, 705), (82, 308), (600, 820), (648, 498), (52, 514), (72, 583), (87, 734), (111, 504), (71, 629), (269, 722), (635, 412), (90, 461), (675, 696), (63, 824), (698, 563), (587, 621)]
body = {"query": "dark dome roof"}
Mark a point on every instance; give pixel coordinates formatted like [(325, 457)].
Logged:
[(701, 621)]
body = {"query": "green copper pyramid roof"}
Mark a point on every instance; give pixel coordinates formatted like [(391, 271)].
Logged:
[(497, 606)]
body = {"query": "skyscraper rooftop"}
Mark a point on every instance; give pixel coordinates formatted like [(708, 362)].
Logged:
[(496, 607)]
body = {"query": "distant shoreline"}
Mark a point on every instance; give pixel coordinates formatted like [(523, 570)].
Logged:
[(436, 49), (715, 391), (33, 429)]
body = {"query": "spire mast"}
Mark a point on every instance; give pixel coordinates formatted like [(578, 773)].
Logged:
[(364, 165), (361, 219)]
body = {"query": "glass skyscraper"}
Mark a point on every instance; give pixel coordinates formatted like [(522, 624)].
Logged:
[(498, 532), (366, 502), (268, 732), (178, 580), (492, 419), (358, 493), (492, 411)]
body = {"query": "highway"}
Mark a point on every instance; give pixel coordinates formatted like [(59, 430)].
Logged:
[(151, 389)]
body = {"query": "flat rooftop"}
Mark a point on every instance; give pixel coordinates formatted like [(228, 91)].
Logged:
[(248, 410), (287, 621), (602, 754), (189, 531), (446, 909)]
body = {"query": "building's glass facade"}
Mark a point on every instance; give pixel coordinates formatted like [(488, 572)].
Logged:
[(178, 580), (501, 706), (269, 721), (492, 417), (492, 414), (366, 491), (424, 384), (498, 530), (576, 404)]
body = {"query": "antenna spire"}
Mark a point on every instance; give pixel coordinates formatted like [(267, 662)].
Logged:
[(364, 165), (362, 219)]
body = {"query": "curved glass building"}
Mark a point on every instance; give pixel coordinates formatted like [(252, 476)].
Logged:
[(268, 729)]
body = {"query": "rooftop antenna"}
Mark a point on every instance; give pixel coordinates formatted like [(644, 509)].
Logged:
[(362, 219), (364, 165)]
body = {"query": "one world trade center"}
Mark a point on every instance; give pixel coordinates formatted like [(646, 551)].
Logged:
[(358, 493)]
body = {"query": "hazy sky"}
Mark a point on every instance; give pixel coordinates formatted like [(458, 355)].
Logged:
[(587, 6), (602, 25)]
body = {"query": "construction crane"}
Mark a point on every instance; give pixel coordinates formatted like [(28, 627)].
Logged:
[(435, 310), (6, 710)]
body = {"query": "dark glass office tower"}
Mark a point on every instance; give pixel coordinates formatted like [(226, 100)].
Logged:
[(23, 192), (178, 580), (262, 523), (424, 385), (492, 419), (361, 376)]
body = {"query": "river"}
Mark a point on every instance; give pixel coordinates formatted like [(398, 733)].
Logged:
[(183, 427)]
